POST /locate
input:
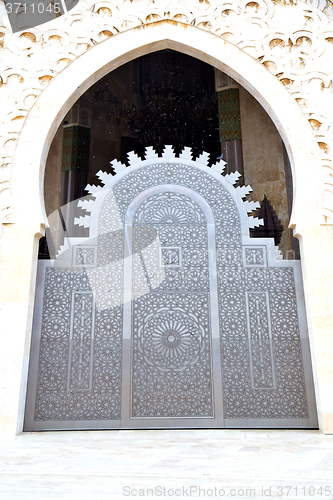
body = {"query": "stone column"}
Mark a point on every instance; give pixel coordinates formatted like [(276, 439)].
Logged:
[(229, 122), (75, 163)]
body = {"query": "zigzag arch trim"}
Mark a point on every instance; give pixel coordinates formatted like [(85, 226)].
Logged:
[(168, 154)]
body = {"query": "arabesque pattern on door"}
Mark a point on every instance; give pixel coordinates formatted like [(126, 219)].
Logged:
[(169, 314)]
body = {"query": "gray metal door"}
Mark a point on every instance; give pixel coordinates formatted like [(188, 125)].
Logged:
[(169, 314)]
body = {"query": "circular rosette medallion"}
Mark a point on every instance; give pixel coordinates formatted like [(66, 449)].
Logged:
[(171, 340)]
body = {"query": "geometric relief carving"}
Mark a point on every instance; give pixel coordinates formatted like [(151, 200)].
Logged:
[(84, 256), (131, 185), (169, 208), (254, 256), (171, 364), (79, 366), (242, 374), (170, 256), (258, 311), (270, 359), (178, 225), (260, 339), (292, 62), (171, 372), (81, 341)]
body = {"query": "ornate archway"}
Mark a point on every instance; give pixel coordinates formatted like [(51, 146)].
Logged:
[(62, 92), (169, 314)]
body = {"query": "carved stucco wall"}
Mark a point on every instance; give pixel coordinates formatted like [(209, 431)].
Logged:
[(293, 39)]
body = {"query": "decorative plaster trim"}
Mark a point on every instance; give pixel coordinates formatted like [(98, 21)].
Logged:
[(20, 87)]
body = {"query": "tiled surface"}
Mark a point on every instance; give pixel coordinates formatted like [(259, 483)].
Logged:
[(128, 464)]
